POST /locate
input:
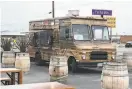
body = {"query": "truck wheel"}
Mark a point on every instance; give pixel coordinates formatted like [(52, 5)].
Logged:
[(38, 59), (32, 59), (72, 65)]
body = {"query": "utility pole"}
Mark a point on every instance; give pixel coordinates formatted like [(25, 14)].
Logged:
[(53, 9), (53, 16)]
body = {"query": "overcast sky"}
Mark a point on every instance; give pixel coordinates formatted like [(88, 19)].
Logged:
[(16, 15)]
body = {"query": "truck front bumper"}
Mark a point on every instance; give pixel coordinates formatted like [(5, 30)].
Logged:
[(90, 64)]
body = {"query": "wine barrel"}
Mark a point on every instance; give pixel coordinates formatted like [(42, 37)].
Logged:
[(115, 76), (127, 57), (8, 58), (23, 61), (58, 68)]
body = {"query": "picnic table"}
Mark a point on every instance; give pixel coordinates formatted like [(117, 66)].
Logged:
[(48, 85), (11, 72)]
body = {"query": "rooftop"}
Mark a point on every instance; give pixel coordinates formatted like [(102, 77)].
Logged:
[(72, 17), (11, 33)]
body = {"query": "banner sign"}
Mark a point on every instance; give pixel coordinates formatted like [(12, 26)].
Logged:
[(111, 22), (101, 12)]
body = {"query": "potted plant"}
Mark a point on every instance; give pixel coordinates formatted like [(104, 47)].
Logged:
[(6, 44)]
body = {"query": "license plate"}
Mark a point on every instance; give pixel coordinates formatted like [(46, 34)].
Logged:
[(100, 64)]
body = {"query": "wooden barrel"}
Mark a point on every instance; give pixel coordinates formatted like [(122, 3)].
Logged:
[(22, 61), (8, 58), (115, 76), (58, 69), (127, 57)]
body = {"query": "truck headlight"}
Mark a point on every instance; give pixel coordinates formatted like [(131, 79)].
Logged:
[(84, 52), (113, 56), (83, 57)]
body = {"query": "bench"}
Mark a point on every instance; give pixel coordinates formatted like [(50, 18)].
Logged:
[(5, 81)]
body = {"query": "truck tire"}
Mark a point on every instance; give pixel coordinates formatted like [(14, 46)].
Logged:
[(32, 59), (72, 65), (38, 60)]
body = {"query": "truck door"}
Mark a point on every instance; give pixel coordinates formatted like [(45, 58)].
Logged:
[(45, 38)]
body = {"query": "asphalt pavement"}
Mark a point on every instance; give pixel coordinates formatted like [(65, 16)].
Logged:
[(83, 79)]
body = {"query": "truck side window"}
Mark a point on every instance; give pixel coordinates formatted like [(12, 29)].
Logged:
[(64, 32)]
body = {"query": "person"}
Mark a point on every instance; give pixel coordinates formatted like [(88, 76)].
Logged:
[(14, 41), (15, 46)]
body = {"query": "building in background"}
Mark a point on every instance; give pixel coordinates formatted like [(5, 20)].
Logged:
[(125, 38)]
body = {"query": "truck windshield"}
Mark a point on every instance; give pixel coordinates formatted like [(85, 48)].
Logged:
[(100, 32), (81, 32)]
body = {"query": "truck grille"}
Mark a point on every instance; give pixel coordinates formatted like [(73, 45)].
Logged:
[(98, 55)]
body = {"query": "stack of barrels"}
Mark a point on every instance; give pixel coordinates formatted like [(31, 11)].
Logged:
[(58, 69), (115, 76), (17, 60)]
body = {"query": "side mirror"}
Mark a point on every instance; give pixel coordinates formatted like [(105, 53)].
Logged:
[(50, 40), (67, 33), (35, 36), (110, 38)]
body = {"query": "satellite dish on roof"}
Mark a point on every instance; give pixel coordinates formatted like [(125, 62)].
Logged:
[(73, 13)]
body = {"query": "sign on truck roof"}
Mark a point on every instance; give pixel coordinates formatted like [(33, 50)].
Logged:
[(101, 12), (111, 22)]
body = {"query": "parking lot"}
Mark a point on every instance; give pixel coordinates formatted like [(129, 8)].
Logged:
[(83, 79)]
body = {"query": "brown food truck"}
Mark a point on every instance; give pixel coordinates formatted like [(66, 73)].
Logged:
[(84, 40)]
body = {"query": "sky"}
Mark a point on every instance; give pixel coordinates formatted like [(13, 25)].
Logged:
[(15, 15)]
